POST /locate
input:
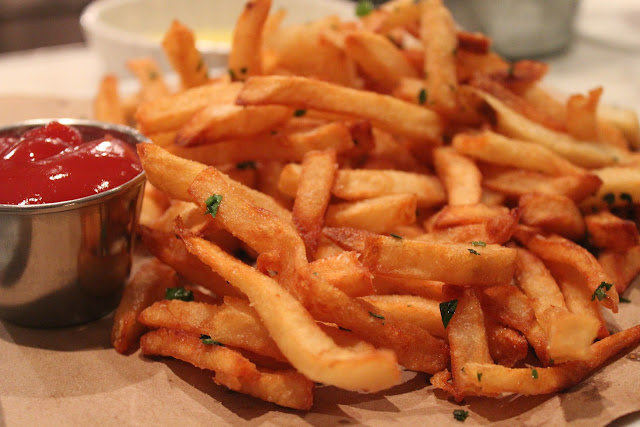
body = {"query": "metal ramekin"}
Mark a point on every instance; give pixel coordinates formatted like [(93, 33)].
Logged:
[(66, 263)]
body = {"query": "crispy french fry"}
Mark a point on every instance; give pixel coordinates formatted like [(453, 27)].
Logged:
[(244, 57), (345, 272), (146, 286), (608, 231), (582, 122), (378, 215), (623, 267), (179, 44), (149, 74), (461, 178), (232, 370), (107, 106), (313, 195), (386, 112), (458, 264), (552, 213), (414, 309)]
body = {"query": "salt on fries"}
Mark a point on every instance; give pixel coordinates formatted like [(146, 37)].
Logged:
[(377, 193)]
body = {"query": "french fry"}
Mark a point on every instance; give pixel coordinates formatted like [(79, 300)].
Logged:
[(456, 264), (146, 286), (438, 35), (313, 195), (467, 338), (387, 112), (149, 74), (359, 184), (619, 187), (234, 323), (378, 215), (623, 267), (552, 213), (414, 309), (107, 106), (179, 45), (244, 57), (231, 369), (582, 122), (219, 122), (497, 149), (506, 345), (608, 231), (460, 176)]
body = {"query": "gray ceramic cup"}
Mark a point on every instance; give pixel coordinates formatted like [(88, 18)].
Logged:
[(66, 263)]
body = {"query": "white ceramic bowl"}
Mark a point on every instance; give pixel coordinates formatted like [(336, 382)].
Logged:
[(122, 29)]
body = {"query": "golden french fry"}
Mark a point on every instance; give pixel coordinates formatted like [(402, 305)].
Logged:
[(358, 184), (345, 272), (608, 231), (414, 309), (146, 286), (179, 45), (552, 213), (234, 323), (620, 187), (384, 111), (460, 176), (313, 195), (107, 106), (459, 264), (149, 74), (244, 57), (582, 122), (232, 370), (438, 34), (378, 215), (623, 267)]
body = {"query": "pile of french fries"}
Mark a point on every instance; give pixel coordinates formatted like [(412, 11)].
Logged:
[(356, 198)]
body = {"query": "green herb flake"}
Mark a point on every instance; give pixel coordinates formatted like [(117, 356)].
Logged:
[(511, 70), (551, 362), (232, 75), (625, 300), (344, 329), (626, 197), (479, 375), (395, 236), (246, 165), (178, 293), (478, 243), (299, 113), (364, 7), (534, 374), (213, 203), (206, 339), (609, 198), (422, 96), (153, 75), (460, 414), (447, 309), (601, 291), (377, 316), (243, 70), (473, 251)]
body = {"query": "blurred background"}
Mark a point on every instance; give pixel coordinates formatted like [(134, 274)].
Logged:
[(28, 24)]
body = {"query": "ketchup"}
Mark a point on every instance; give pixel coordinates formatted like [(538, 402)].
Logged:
[(52, 163)]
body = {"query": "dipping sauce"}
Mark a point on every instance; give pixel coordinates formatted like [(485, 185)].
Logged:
[(53, 163)]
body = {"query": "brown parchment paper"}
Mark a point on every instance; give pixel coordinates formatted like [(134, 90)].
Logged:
[(72, 376)]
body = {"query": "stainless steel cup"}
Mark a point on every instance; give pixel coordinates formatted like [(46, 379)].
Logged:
[(66, 263)]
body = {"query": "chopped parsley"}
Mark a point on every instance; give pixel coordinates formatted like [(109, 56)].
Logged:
[(473, 251), (609, 198), (395, 236), (364, 7), (377, 316), (344, 329), (447, 309), (232, 75), (478, 243), (206, 339), (153, 75), (460, 414), (534, 374), (178, 293), (299, 113), (422, 96), (479, 375), (626, 197), (511, 70), (601, 291), (246, 165), (625, 300), (243, 70), (213, 203)]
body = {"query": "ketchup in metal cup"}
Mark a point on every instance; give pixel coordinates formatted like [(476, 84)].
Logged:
[(52, 163)]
